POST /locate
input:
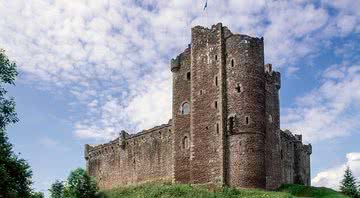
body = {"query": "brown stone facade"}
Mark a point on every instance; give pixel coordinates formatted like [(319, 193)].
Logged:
[(225, 127)]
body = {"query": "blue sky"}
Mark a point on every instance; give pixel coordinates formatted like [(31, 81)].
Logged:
[(91, 68)]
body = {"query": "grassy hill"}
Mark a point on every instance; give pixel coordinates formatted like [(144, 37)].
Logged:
[(189, 191)]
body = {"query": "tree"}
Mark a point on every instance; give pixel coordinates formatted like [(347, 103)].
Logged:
[(37, 195), (348, 184), (8, 74), (80, 185), (57, 189), (15, 173)]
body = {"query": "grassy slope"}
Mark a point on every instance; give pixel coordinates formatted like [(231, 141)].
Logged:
[(188, 191), (309, 191)]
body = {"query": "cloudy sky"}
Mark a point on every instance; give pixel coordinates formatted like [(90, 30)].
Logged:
[(91, 68)]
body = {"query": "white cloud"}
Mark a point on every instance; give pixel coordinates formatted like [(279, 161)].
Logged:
[(48, 142), (53, 144), (113, 55), (331, 110), (331, 177)]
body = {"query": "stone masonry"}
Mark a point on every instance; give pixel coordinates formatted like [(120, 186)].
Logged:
[(225, 126)]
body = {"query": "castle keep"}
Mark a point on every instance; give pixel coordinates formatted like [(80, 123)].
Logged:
[(225, 126)]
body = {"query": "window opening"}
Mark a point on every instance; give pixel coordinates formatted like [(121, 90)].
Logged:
[(185, 108), (217, 128), (246, 120), (185, 143), (216, 81), (231, 124), (232, 62), (238, 88), (188, 76)]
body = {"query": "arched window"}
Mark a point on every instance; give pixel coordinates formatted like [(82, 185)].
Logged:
[(185, 108), (185, 143)]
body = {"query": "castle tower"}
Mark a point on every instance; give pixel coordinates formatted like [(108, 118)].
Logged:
[(207, 105), (273, 142), (198, 108), (245, 91), (180, 67)]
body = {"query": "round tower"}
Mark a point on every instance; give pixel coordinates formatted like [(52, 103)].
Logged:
[(245, 101)]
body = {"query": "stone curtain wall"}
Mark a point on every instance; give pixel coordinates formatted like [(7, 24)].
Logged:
[(133, 159), (295, 159)]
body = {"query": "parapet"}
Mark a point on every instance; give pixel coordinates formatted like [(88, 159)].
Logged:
[(86, 152), (120, 142), (176, 62), (308, 149), (122, 137), (289, 136), (272, 76)]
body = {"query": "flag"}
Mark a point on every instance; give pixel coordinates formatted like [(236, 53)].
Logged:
[(205, 5)]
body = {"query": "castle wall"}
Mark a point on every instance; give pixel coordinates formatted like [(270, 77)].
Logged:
[(302, 162), (246, 111), (133, 159), (295, 159), (180, 66), (287, 157), (206, 159)]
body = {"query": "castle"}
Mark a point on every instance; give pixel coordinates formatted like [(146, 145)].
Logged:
[(225, 126)]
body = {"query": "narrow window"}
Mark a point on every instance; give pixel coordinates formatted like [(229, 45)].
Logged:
[(188, 76), (217, 128), (270, 118), (281, 154), (232, 62), (231, 124), (201, 92), (185, 108), (215, 57), (246, 120), (185, 143), (215, 104), (216, 81)]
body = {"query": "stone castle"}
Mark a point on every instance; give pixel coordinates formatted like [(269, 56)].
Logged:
[(225, 126)]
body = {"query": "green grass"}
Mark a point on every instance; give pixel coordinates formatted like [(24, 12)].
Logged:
[(309, 191), (190, 191)]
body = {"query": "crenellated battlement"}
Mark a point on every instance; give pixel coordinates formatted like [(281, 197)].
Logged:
[(272, 77), (92, 151)]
